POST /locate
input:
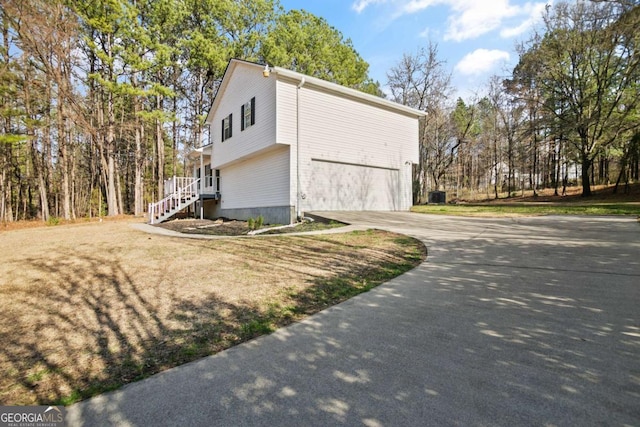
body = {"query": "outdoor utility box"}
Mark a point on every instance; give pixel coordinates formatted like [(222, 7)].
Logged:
[(437, 197)]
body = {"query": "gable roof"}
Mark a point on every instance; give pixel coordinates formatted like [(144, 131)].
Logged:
[(304, 80)]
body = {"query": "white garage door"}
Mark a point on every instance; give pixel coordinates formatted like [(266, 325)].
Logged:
[(349, 187)]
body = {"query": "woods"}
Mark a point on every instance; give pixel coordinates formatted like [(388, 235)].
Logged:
[(567, 114), (101, 99)]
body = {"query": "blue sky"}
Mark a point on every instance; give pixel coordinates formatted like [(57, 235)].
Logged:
[(476, 38)]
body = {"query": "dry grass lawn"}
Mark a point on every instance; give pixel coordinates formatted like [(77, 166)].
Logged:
[(86, 308)]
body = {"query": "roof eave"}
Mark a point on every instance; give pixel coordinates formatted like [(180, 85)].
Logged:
[(348, 92), (314, 81)]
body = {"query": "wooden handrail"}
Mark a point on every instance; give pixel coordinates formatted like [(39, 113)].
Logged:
[(187, 186)]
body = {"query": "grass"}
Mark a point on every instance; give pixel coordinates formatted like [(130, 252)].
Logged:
[(603, 202), (88, 307), (514, 209)]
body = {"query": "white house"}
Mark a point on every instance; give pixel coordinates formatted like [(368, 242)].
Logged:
[(282, 143)]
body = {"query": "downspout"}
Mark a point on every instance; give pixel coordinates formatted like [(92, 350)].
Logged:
[(201, 183), (298, 196)]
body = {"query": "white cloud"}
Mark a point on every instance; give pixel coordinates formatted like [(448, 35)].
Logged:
[(535, 11), (430, 33), (481, 61), (361, 5), (473, 18), (414, 6), (469, 19)]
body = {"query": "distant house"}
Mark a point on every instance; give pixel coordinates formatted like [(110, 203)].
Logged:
[(282, 143)]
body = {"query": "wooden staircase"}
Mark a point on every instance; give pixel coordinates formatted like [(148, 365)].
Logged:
[(180, 194)]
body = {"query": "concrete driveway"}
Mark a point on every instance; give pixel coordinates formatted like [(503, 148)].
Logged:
[(527, 321)]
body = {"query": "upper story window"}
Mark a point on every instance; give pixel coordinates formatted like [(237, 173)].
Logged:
[(226, 127), (248, 114)]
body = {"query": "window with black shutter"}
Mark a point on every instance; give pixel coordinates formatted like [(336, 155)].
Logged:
[(248, 114), (227, 127)]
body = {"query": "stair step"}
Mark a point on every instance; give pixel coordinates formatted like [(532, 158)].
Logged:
[(172, 205)]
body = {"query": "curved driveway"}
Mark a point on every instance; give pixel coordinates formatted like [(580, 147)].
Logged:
[(526, 321)]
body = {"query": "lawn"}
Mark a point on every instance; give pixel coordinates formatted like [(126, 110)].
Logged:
[(603, 202), (86, 308), (542, 208)]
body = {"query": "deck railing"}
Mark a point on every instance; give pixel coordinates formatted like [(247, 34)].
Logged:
[(184, 191), (208, 184), (175, 183)]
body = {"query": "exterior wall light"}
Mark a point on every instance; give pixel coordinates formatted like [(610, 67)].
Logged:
[(266, 71)]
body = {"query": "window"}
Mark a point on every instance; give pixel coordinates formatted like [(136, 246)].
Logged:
[(248, 114), (207, 176), (226, 127)]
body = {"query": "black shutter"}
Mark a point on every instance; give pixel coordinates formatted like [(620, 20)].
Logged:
[(253, 111), (230, 127), (222, 128), (242, 117)]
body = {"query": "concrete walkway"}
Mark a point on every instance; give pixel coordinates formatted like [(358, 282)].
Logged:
[(528, 321)]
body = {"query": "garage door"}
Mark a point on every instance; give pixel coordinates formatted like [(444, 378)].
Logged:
[(351, 187)]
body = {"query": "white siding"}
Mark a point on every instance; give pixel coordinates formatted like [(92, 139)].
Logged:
[(256, 182), (353, 152), (286, 118), (342, 130), (245, 82), (286, 112)]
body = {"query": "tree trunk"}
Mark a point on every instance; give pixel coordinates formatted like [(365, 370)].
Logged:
[(623, 167), (39, 165), (138, 189), (174, 129), (586, 177), (112, 197), (3, 195), (74, 188), (495, 167), (103, 176), (160, 151), (42, 190), (138, 192), (117, 174), (64, 159), (510, 162), (620, 175), (534, 178)]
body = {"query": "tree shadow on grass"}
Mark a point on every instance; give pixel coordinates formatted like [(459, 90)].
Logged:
[(89, 327), (93, 329), (499, 327)]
